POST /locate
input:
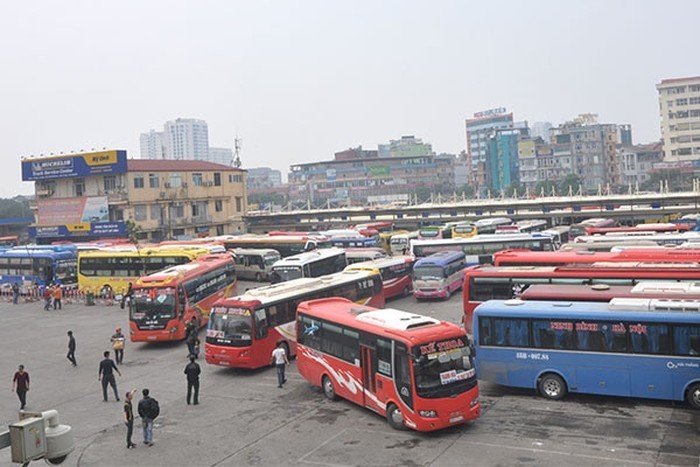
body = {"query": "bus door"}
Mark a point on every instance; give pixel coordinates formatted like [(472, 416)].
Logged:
[(369, 376)]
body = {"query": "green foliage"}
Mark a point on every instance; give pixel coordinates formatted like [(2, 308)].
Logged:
[(675, 179), (274, 198), (133, 232), (15, 207)]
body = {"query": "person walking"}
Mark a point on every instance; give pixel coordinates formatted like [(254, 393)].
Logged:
[(20, 385), (191, 338), (15, 293), (57, 296), (148, 411), (129, 417), (106, 374), (118, 341), (192, 370), (127, 296), (48, 296), (279, 359), (71, 348)]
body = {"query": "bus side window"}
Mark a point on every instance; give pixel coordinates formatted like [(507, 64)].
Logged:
[(686, 339), (182, 298), (260, 323), (485, 331)]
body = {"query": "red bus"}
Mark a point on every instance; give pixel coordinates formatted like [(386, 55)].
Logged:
[(396, 272), (638, 229), (482, 283), (560, 258), (605, 292), (164, 301), (598, 223), (414, 370), (244, 330)]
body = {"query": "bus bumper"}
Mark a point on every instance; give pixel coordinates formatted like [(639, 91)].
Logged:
[(447, 419), (228, 356), (429, 293)]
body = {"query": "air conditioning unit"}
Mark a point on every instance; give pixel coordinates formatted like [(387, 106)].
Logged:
[(184, 185), (162, 194), (208, 183), (167, 184)]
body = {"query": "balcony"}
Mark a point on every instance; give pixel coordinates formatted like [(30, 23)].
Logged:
[(117, 197)]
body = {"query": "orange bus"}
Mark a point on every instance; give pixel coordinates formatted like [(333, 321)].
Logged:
[(414, 370), (164, 301)]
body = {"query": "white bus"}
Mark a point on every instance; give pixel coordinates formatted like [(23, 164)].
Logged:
[(310, 264), (254, 263), (479, 249), (400, 244), (487, 226), (659, 239), (360, 255)]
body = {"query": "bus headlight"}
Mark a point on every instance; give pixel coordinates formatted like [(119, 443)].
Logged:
[(474, 402), (428, 413)]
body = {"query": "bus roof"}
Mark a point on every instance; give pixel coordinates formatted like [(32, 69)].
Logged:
[(388, 322), (190, 252), (255, 251), (606, 292), (181, 272), (309, 256), (441, 258), (282, 290), (482, 238), (380, 263), (527, 257), (642, 309), (36, 253)]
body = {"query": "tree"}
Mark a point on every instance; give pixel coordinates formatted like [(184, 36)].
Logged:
[(546, 187), (515, 187), (570, 183), (16, 207)]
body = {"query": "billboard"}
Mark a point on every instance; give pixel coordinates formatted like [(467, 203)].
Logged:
[(78, 165), (97, 229), (65, 211)]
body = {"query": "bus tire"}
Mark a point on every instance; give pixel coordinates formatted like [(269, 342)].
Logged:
[(406, 291), (285, 346), (552, 386), (328, 389), (258, 277), (394, 417), (693, 395)]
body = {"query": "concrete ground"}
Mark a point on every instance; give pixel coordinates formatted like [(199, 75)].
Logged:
[(244, 419)]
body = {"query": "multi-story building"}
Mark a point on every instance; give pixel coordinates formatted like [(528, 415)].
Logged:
[(262, 178), (186, 139), (541, 162), (152, 145), (541, 130), (637, 162), (479, 130), (88, 196), (593, 150), (679, 106), (223, 156), (502, 157), (407, 146), (358, 181)]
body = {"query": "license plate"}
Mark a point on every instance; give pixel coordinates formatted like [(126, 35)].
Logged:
[(456, 419), (223, 362), (151, 338)]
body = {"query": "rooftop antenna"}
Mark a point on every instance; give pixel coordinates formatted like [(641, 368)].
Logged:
[(237, 152)]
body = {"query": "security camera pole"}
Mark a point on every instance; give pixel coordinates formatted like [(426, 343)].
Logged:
[(38, 435)]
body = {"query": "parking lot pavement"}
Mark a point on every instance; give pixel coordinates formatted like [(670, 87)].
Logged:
[(244, 419)]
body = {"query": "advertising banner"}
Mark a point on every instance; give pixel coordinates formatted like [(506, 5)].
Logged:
[(79, 165), (380, 171), (98, 229), (63, 211)]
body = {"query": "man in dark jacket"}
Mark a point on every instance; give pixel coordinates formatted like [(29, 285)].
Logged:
[(71, 348), (106, 374), (192, 371), (148, 411), (191, 338)]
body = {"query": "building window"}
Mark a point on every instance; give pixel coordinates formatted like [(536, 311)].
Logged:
[(110, 183), (156, 213), (178, 232), (197, 179), (153, 181), (177, 211), (140, 212), (217, 179), (237, 178), (239, 204), (78, 187), (218, 205), (138, 181), (175, 180)]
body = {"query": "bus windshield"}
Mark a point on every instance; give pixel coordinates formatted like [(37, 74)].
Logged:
[(158, 304), (230, 326), (428, 272), (286, 273), (429, 233), (270, 260), (443, 368)]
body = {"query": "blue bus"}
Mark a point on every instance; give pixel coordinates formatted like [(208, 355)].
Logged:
[(629, 347), (438, 275), (25, 266)]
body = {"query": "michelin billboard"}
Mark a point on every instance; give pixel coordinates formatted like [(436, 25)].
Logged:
[(78, 165)]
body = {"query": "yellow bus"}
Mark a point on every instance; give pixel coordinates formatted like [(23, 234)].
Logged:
[(109, 271), (464, 230)]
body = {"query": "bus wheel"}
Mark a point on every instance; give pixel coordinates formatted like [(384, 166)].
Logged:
[(258, 277), (552, 387), (394, 417), (285, 346), (406, 291), (694, 396), (328, 388)]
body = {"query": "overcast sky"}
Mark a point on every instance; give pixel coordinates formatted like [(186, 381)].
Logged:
[(298, 81)]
